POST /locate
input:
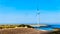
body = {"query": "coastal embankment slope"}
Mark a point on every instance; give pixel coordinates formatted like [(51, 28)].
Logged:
[(22, 31)]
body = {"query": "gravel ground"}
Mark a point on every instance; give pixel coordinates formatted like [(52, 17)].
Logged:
[(21, 31)]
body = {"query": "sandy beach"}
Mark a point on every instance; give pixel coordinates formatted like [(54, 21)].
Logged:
[(22, 31)]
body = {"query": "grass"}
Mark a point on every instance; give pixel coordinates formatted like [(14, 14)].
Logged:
[(13, 26)]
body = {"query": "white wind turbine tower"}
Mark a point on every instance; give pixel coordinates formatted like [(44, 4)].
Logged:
[(38, 14), (38, 17)]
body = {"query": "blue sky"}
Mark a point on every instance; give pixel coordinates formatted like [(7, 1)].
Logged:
[(24, 11)]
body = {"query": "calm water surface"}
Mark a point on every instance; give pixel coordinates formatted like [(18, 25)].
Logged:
[(48, 28)]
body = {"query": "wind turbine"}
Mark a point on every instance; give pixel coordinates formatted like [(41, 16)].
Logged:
[(38, 14)]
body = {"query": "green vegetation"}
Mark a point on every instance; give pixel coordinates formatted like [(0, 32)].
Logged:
[(7, 26), (56, 31), (22, 25), (13, 26)]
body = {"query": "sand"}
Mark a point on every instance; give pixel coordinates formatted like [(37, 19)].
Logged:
[(22, 31)]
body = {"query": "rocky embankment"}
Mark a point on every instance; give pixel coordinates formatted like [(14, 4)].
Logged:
[(22, 31)]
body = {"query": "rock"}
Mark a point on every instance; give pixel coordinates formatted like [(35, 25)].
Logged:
[(21, 31)]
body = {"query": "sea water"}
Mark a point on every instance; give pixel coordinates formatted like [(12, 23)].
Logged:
[(55, 26), (48, 28)]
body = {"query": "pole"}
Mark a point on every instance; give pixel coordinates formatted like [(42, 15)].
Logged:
[(38, 13)]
